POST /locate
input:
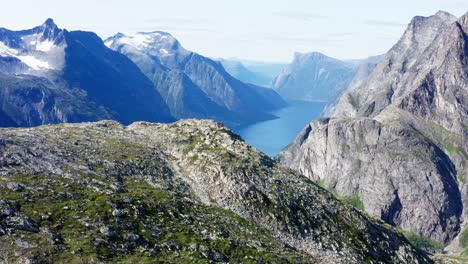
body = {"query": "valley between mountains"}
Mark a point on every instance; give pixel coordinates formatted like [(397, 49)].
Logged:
[(122, 150)]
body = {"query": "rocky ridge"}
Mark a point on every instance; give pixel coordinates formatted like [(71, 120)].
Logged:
[(399, 139), (188, 191)]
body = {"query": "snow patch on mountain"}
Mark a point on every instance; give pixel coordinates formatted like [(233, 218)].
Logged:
[(7, 51), (156, 43), (39, 55), (45, 45), (138, 41), (34, 62)]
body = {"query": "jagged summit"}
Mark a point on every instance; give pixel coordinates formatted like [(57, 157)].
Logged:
[(50, 31), (33, 51), (49, 23), (384, 85), (445, 15), (398, 140), (63, 59), (463, 21)]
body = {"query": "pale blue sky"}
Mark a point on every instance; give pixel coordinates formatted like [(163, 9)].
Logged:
[(264, 30)]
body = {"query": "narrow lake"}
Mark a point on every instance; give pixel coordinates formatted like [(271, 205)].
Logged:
[(273, 135)]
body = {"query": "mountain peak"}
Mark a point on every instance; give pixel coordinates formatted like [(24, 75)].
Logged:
[(162, 43), (119, 35), (445, 15), (463, 21), (309, 56), (441, 17), (49, 23)]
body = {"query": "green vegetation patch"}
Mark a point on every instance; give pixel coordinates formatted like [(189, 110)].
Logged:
[(453, 149), (170, 227), (321, 184), (355, 102), (353, 200), (463, 238), (421, 242)]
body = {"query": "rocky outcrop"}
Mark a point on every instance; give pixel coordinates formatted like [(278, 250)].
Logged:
[(424, 73), (365, 69), (188, 191), (401, 177), (399, 139)]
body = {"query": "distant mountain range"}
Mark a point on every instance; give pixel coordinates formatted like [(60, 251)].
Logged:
[(258, 73), (51, 75), (314, 77), (394, 145), (193, 85), (397, 139)]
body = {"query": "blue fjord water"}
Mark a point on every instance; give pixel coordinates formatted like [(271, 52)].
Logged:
[(273, 135)]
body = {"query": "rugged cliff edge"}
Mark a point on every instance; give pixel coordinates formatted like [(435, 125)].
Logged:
[(188, 191), (398, 141)]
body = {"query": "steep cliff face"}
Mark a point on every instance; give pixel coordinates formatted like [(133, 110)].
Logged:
[(31, 100), (365, 69), (399, 139), (400, 176), (51, 75), (424, 73), (209, 91), (188, 191)]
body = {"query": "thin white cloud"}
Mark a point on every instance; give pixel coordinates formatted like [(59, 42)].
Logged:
[(382, 23), (177, 21), (303, 16)]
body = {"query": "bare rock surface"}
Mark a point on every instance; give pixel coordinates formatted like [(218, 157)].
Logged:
[(191, 190), (399, 139)]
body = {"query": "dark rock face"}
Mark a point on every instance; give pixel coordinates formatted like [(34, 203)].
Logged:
[(399, 139), (49, 75), (192, 85), (191, 190), (314, 77)]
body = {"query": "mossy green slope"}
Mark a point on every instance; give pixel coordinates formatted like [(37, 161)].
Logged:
[(189, 192)]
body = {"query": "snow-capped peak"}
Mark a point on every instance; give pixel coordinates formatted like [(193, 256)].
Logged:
[(138, 41), (156, 43), (41, 48)]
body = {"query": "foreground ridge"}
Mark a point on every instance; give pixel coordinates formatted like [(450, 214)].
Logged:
[(187, 191)]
